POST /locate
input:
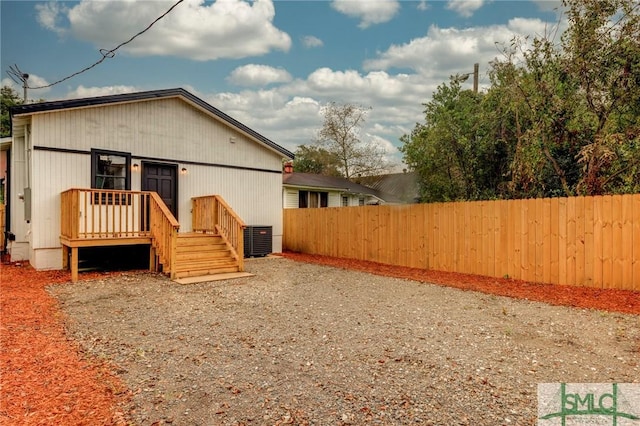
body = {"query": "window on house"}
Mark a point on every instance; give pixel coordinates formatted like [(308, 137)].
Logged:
[(110, 170), (345, 201), (303, 197), (312, 199), (361, 202)]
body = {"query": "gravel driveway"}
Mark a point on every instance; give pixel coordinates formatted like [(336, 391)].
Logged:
[(308, 344)]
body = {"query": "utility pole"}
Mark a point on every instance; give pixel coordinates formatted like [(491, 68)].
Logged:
[(24, 79), (464, 77), (476, 69)]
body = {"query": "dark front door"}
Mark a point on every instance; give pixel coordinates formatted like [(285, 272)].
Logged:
[(161, 178)]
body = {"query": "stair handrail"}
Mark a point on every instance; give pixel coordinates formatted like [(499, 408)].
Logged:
[(164, 232), (212, 214)]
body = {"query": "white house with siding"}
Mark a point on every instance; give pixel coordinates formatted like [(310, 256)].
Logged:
[(308, 190), (168, 141)]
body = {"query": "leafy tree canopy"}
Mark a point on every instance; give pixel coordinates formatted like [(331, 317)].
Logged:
[(8, 98), (314, 159), (557, 120)]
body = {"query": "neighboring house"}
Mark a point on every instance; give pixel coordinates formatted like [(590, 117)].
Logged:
[(307, 190), (402, 185), (168, 141)]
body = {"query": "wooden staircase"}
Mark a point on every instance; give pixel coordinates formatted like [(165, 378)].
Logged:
[(199, 254), (97, 217)]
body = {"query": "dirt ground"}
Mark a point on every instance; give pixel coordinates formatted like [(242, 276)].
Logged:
[(303, 343)]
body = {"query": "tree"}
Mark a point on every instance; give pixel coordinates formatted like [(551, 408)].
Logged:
[(603, 55), (314, 159), (557, 120), (9, 98), (454, 154), (340, 136)]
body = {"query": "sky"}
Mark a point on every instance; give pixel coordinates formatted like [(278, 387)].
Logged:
[(272, 65)]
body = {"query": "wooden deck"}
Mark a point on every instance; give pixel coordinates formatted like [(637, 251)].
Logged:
[(93, 218)]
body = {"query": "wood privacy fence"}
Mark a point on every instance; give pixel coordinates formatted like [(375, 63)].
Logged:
[(584, 241)]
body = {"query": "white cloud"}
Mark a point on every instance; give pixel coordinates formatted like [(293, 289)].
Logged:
[(311, 41), (258, 75), (423, 5), (290, 113), (49, 16), (465, 8), (448, 51), (194, 29), (368, 11)]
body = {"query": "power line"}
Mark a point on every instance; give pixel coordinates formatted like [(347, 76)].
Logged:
[(15, 72)]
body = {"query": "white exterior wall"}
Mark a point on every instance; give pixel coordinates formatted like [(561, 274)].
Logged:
[(164, 128), (290, 197), (168, 130), (335, 199)]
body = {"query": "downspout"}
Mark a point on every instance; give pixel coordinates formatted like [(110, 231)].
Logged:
[(28, 168), (7, 192)]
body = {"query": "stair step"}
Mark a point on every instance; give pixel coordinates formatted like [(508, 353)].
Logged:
[(210, 271), (202, 254), (199, 248), (195, 239), (204, 264)]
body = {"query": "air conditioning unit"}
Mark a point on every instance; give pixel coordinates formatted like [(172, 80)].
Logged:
[(257, 241)]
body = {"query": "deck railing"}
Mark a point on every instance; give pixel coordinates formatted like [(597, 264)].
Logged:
[(211, 214), (164, 230), (93, 214), (99, 214)]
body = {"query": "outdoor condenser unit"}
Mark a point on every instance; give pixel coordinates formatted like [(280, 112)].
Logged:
[(257, 241)]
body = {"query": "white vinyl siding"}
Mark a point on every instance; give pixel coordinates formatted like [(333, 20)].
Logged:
[(290, 198), (54, 172), (165, 128), (335, 199)]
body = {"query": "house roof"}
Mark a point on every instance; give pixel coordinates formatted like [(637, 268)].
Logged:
[(310, 180), (26, 109), (402, 185)]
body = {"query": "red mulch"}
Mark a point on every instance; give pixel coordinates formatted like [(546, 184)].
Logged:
[(44, 378), (581, 297)]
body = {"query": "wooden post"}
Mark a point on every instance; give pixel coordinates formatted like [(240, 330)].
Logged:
[(173, 251), (74, 264), (65, 258), (153, 267)]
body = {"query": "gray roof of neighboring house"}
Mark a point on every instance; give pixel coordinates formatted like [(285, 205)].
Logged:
[(310, 180), (141, 96), (403, 185)]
